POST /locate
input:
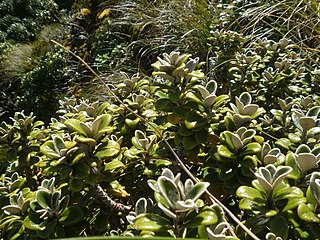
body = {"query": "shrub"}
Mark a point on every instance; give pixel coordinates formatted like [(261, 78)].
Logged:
[(78, 175)]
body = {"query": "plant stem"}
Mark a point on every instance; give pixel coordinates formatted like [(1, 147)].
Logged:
[(105, 198)]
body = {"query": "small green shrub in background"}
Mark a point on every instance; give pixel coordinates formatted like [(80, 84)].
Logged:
[(22, 19)]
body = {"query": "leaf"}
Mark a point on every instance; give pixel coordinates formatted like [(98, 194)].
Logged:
[(306, 161), (43, 198), (141, 206), (223, 151), (11, 210), (280, 226), (151, 222), (250, 193), (284, 143), (197, 190), (49, 151), (80, 170), (58, 143), (248, 204), (167, 211), (286, 192), (249, 161), (113, 165), (236, 141), (313, 131), (168, 190), (305, 214), (307, 123), (293, 203), (71, 215), (249, 109), (132, 123), (189, 142), (206, 216), (168, 173), (220, 100), (291, 161), (241, 119), (314, 112), (245, 98), (74, 124), (104, 122), (31, 225), (49, 228), (250, 148), (111, 150), (280, 174), (303, 148)]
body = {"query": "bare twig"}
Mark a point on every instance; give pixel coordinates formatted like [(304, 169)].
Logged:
[(105, 198)]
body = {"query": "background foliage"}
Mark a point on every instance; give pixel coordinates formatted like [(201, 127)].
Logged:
[(241, 111)]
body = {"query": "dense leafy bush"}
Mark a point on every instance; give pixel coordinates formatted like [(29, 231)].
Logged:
[(22, 19), (176, 154), (79, 175)]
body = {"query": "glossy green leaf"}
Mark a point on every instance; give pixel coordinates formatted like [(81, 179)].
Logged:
[(293, 203), (43, 198), (291, 161), (206, 216), (48, 150), (74, 124), (111, 150), (31, 225), (271, 213), (284, 143), (152, 222), (313, 131), (248, 204), (220, 100), (249, 161), (113, 165), (315, 186), (250, 193), (282, 192), (251, 148), (132, 123), (230, 123), (305, 214), (71, 215), (223, 151)]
